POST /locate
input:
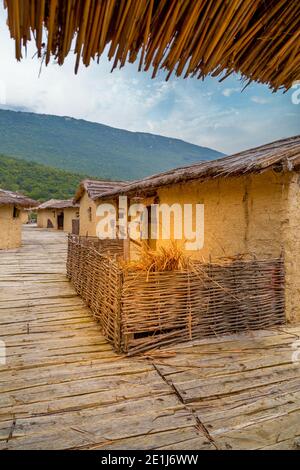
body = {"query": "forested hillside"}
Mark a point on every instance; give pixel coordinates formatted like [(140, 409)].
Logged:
[(37, 181)]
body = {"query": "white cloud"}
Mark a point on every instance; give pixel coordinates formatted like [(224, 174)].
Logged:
[(229, 91), (259, 100)]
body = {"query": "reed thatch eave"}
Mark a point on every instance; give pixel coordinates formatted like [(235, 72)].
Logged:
[(96, 188), (53, 204), (10, 198), (259, 39), (282, 155)]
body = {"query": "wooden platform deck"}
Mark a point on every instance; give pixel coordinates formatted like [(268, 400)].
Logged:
[(64, 388)]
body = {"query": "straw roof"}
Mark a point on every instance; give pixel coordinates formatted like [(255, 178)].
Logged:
[(9, 198), (282, 155), (96, 188), (258, 38), (57, 204)]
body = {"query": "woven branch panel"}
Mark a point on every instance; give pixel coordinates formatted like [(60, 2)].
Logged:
[(164, 308), (97, 279), (139, 311)]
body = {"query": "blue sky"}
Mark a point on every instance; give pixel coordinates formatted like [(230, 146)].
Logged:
[(209, 113)]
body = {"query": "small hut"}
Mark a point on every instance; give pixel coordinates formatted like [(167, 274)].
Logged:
[(12, 207), (251, 206), (59, 215), (87, 195)]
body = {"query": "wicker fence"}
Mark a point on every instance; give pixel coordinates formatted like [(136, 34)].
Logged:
[(140, 311)]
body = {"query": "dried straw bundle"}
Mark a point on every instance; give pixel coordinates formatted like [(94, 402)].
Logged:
[(169, 258)]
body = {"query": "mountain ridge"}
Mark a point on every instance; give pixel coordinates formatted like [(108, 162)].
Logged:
[(81, 146)]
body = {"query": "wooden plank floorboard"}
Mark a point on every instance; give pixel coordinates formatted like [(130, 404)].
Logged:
[(63, 387)]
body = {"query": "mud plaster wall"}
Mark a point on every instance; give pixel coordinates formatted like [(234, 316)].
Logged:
[(44, 215), (24, 217), (291, 234), (69, 214), (10, 229), (241, 215), (87, 225)]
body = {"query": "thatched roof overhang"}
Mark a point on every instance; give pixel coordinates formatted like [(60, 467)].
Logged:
[(257, 38), (282, 155), (57, 204), (10, 198), (95, 188)]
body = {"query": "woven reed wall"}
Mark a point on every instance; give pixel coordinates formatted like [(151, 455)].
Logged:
[(140, 311), (212, 300), (97, 278)]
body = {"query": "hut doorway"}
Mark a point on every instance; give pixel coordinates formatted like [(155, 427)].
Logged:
[(75, 226), (152, 227), (60, 221), (16, 212)]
